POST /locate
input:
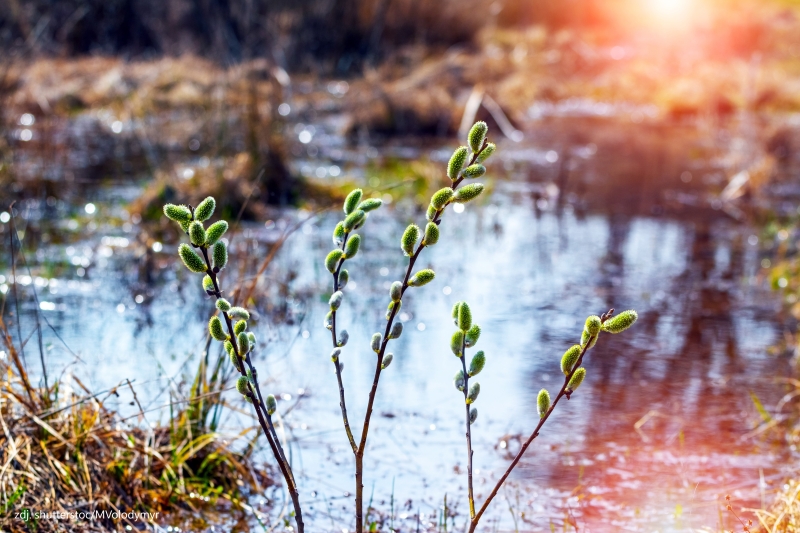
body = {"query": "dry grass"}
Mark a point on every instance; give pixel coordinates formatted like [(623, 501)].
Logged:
[(784, 516)]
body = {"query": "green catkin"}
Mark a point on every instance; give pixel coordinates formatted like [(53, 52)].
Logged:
[(335, 300), (354, 220), (338, 234), (219, 255), (474, 391), (223, 305), (456, 342), (178, 213), (344, 277), (464, 317), (235, 361), (543, 402), (455, 313), (456, 162), (430, 215), (370, 204), (387, 360), (332, 260), (397, 330), (185, 225), (335, 354), (252, 338), (441, 197), (569, 359), (239, 313), (621, 322), (477, 364), (593, 325), (229, 348), (585, 338), (396, 291), (458, 380), (215, 232), (423, 277), (577, 379), (352, 201), (215, 329), (272, 404), (468, 193), (474, 171), (431, 234), (208, 283), (328, 323), (190, 258), (477, 134), (393, 306), (205, 209), (239, 327), (243, 342), (241, 385), (473, 415), (409, 239), (353, 243), (487, 152), (375, 344), (472, 336), (343, 338)]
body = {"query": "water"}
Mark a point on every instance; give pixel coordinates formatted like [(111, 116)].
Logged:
[(652, 441)]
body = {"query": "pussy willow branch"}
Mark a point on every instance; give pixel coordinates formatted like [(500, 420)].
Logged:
[(469, 429), (474, 521), (254, 394), (337, 363), (374, 389)]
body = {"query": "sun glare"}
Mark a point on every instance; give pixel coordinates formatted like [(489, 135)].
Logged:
[(669, 11)]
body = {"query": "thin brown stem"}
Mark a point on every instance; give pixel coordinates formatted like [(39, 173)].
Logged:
[(469, 429), (474, 522)]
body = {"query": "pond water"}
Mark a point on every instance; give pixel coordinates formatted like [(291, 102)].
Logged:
[(652, 441)]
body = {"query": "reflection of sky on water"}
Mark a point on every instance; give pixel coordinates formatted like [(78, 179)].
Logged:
[(531, 278)]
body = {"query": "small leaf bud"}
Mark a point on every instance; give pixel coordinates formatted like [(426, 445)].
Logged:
[(252, 338), (219, 255), (487, 152), (387, 360), (215, 329), (335, 354), (178, 213), (336, 300), (370, 204), (235, 361), (328, 322), (464, 317), (473, 334), (229, 348), (392, 305), (340, 366), (208, 283), (430, 215), (354, 220), (243, 342), (593, 325), (474, 171), (343, 338), (569, 359), (456, 342), (621, 322), (409, 239), (223, 305), (431, 234), (441, 197), (190, 258), (241, 385), (474, 390), (577, 379), (396, 291), (456, 162), (543, 402), (585, 338), (353, 244), (397, 330), (477, 135), (332, 260), (455, 312), (376, 342), (344, 277), (271, 404), (468, 193), (423, 277), (239, 327), (458, 380), (477, 364), (239, 313), (473, 415), (215, 232), (352, 201), (205, 209), (338, 234)]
